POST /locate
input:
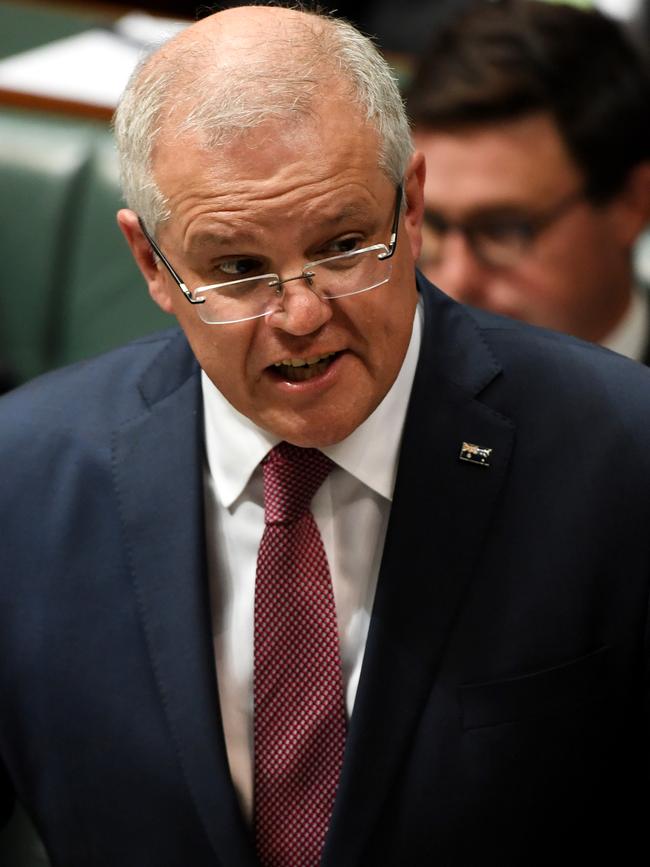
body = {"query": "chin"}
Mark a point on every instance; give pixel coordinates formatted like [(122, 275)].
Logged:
[(315, 436), (312, 439)]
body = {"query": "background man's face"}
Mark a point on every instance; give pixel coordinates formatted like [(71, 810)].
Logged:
[(575, 276), (286, 195)]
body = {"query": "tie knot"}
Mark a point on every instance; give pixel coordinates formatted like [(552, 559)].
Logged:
[(292, 476)]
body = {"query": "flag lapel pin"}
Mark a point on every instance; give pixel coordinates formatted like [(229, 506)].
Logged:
[(473, 454)]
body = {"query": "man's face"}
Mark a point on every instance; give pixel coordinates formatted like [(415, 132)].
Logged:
[(285, 196), (574, 276)]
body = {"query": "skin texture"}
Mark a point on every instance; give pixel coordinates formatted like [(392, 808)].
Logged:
[(576, 277), (286, 194)]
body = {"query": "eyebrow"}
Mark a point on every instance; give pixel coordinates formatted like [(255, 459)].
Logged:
[(497, 211), (243, 235), (206, 239)]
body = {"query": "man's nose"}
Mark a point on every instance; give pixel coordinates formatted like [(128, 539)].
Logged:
[(458, 271), (301, 310)]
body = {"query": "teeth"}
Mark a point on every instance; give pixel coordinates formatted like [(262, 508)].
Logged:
[(302, 362)]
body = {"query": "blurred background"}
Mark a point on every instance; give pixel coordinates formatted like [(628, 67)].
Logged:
[(68, 288)]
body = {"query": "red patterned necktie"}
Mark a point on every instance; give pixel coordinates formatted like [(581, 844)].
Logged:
[(299, 719)]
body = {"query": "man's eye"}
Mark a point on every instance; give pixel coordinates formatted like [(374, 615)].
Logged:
[(436, 222), (237, 268), (506, 230), (341, 245)]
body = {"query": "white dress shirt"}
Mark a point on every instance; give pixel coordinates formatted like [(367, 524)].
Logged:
[(630, 337), (351, 510)]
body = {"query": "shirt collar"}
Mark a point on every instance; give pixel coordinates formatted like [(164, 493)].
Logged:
[(235, 445), (630, 337)]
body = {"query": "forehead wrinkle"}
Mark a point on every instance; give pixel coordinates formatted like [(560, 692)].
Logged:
[(213, 192), (256, 176), (203, 239), (320, 200), (239, 192), (242, 234), (256, 201)]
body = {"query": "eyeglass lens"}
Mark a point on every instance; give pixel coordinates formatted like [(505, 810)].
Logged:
[(336, 277), (499, 240), (494, 242)]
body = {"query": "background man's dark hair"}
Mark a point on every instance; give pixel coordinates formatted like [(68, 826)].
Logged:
[(505, 59)]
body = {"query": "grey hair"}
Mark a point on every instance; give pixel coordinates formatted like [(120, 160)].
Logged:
[(219, 102)]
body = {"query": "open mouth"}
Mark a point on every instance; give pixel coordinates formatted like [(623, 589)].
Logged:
[(301, 369)]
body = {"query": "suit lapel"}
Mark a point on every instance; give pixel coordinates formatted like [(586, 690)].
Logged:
[(439, 520), (158, 460)]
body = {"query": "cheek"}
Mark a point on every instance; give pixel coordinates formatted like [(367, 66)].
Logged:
[(564, 272), (391, 334), (535, 287), (550, 292), (574, 251), (223, 353)]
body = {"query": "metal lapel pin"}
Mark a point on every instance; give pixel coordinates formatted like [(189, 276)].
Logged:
[(474, 454)]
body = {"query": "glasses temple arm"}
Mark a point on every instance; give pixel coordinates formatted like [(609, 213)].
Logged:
[(177, 278), (393, 231)]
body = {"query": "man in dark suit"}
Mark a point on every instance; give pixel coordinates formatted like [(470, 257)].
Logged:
[(484, 518), (533, 118)]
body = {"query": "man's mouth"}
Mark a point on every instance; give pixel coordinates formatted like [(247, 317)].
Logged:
[(301, 369)]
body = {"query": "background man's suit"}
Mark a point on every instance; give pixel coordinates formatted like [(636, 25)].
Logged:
[(499, 717)]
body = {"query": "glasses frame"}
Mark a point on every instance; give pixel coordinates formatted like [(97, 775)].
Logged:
[(275, 282), (532, 227)]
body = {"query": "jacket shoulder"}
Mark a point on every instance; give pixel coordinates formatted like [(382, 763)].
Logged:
[(94, 396)]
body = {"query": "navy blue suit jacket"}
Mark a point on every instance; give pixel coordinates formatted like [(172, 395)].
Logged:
[(500, 714)]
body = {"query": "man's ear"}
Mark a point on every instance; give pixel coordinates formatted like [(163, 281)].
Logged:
[(157, 281), (630, 209), (414, 195)]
